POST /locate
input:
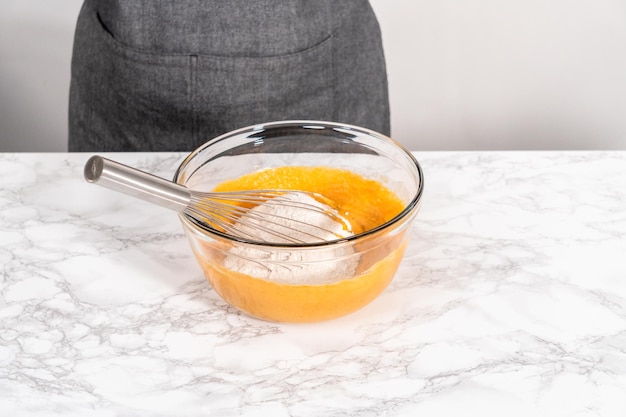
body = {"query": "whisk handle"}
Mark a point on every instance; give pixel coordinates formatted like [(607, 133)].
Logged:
[(136, 183)]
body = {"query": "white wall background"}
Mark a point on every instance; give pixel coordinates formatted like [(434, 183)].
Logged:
[(506, 74), (35, 50), (464, 74)]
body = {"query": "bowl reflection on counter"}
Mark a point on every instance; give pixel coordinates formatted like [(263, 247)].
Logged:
[(322, 280)]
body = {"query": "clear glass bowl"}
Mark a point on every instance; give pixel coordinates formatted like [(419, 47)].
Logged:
[(320, 281)]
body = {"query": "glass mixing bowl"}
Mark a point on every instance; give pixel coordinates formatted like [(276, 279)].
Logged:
[(309, 282)]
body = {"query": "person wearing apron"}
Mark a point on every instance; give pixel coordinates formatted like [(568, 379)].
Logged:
[(170, 75)]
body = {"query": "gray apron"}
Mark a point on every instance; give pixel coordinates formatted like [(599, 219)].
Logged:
[(169, 75)]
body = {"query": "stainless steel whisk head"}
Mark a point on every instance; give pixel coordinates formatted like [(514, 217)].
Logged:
[(268, 216)]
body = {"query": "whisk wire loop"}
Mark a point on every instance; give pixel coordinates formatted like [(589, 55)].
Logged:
[(236, 215)]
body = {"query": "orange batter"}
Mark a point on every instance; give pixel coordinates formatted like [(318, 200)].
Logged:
[(364, 202)]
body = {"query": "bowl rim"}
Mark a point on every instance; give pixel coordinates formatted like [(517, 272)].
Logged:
[(313, 124)]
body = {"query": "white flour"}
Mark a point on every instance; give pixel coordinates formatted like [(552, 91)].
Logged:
[(313, 265), (292, 216)]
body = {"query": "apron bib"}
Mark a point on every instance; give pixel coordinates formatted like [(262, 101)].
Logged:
[(135, 87)]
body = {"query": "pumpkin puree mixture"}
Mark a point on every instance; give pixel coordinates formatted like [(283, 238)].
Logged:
[(364, 202)]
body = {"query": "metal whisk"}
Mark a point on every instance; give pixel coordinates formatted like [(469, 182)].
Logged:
[(269, 216)]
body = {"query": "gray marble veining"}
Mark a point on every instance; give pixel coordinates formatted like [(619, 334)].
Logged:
[(511, 300)]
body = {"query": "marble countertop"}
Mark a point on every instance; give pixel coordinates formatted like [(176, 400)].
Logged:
[(511, 300)]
